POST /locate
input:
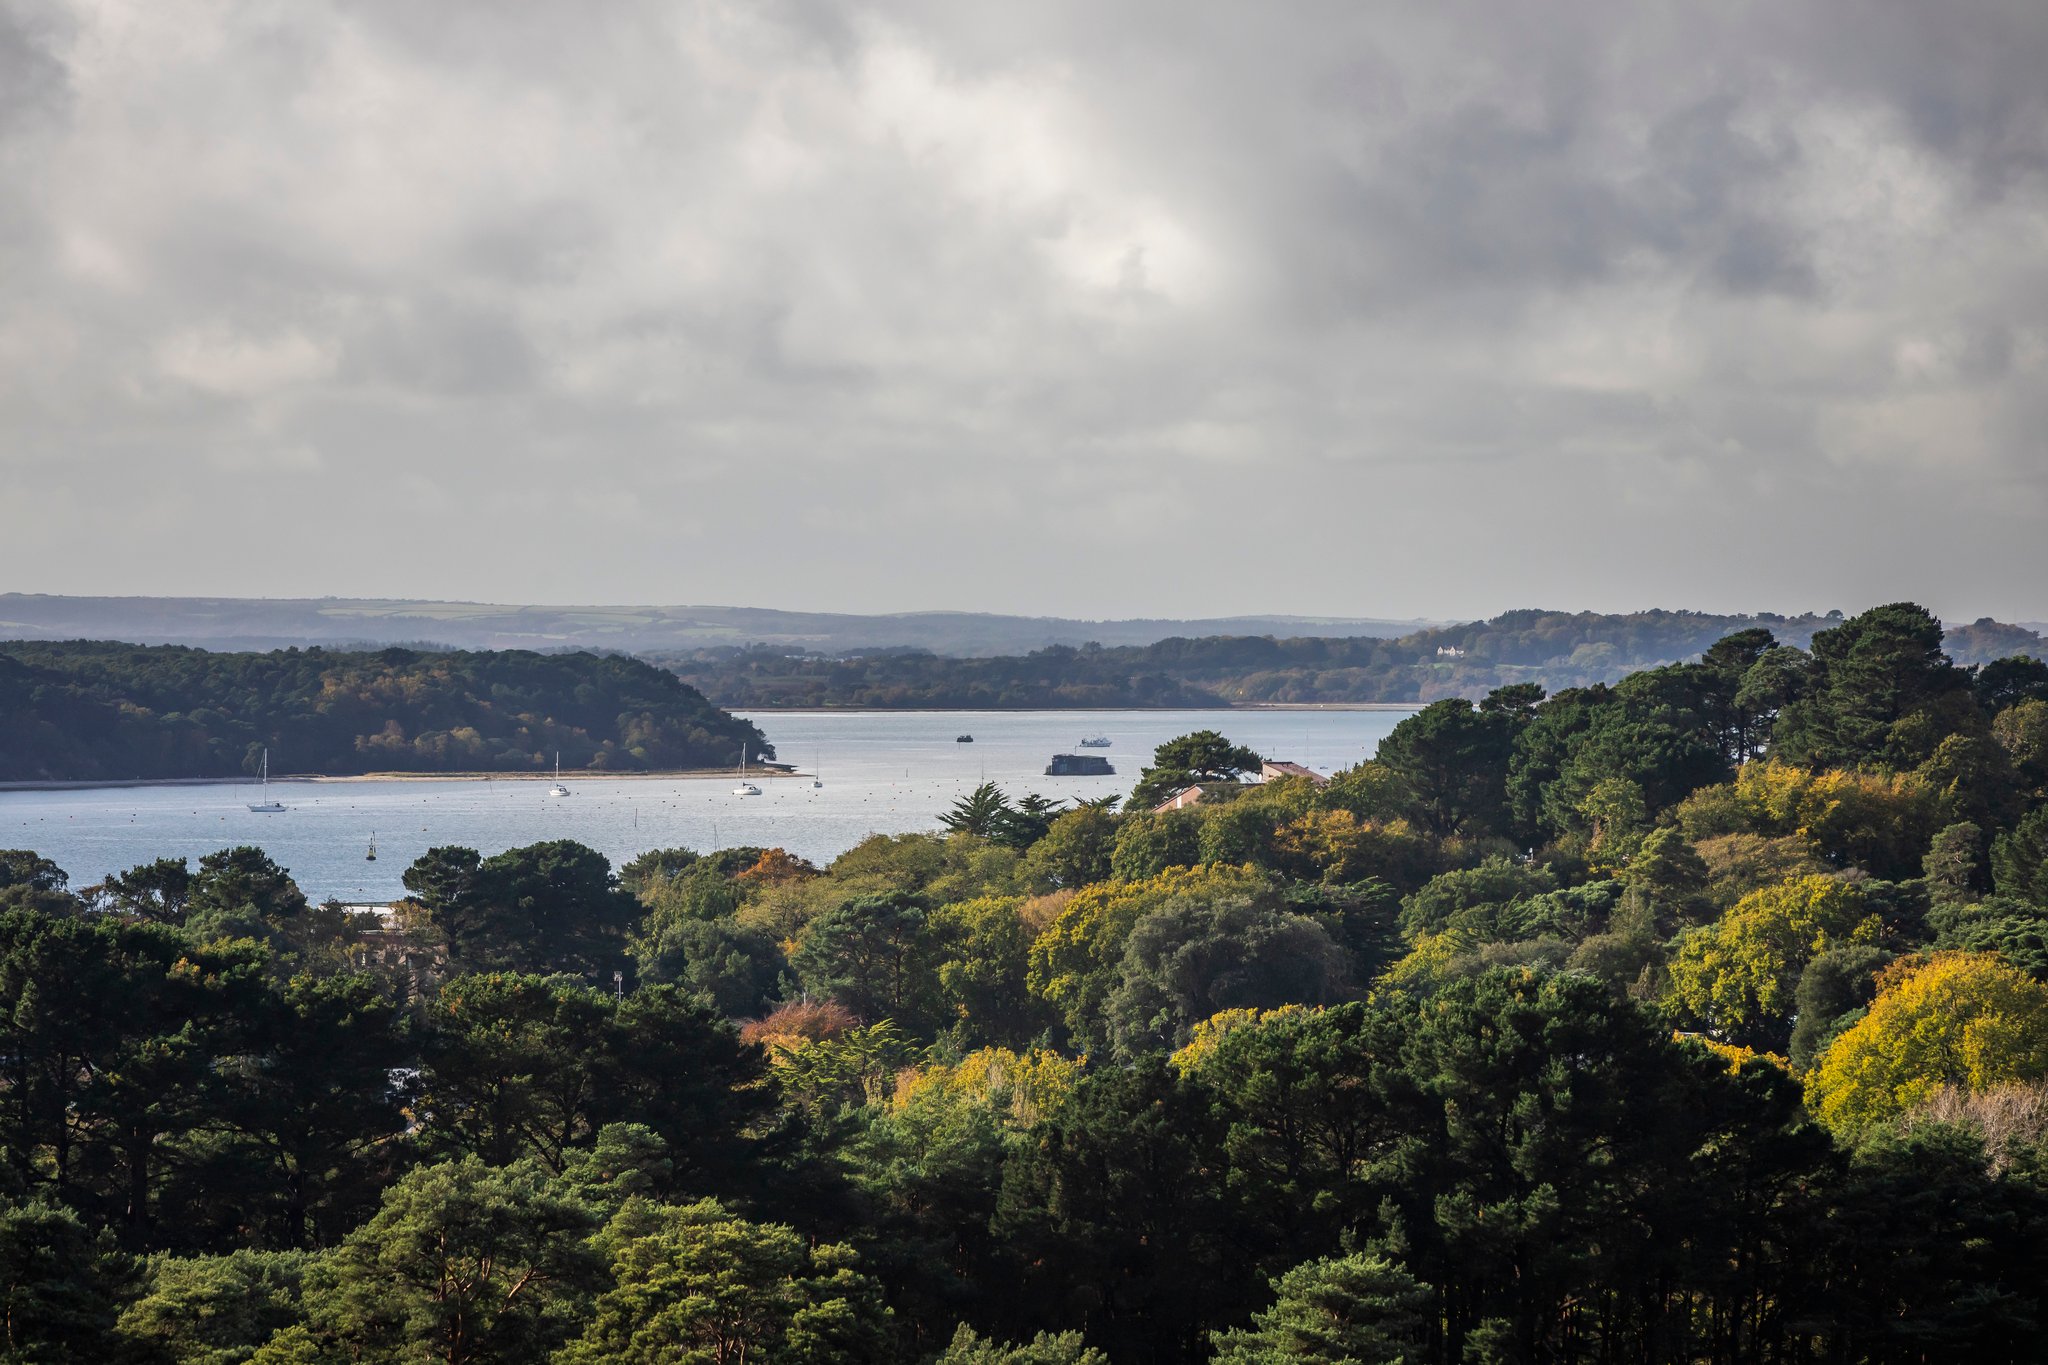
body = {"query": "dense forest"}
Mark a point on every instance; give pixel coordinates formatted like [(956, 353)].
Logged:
[(86, 711), (1555, 650), (1701, 1017)]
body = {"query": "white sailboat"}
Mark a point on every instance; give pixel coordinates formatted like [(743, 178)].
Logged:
[(558, 789), (745, 788), (266, 806), (817, 770)]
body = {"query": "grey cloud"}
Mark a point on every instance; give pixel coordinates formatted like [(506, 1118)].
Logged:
[(1964, 78), (434, 346), (32, 85), (1157, 308)]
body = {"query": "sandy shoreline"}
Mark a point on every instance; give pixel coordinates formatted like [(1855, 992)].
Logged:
[(673, 774), (589, 775), (743, 712)]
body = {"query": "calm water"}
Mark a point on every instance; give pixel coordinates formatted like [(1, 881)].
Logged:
[(886, 772)]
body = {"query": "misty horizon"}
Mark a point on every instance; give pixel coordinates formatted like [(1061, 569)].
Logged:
[(676, 634)]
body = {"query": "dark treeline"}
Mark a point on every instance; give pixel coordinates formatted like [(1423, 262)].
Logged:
[(1699, 1018), (1555, 650), (85, 711)]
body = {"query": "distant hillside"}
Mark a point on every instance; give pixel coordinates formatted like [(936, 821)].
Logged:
[(88, 711), (1553, 649), (258, 623)]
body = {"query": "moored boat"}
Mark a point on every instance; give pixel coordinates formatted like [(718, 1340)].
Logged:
[(266, 806)]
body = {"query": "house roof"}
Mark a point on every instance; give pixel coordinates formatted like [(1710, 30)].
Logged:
[(1270, 771)]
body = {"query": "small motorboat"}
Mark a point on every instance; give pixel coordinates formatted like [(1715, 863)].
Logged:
[(963, 739)]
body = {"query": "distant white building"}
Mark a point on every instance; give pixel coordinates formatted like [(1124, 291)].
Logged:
[(1449, 652)]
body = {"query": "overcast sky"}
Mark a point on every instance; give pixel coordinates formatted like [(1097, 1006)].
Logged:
[(1080, 308)]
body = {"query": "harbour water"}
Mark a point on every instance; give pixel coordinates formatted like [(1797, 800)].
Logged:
[(887, 772)]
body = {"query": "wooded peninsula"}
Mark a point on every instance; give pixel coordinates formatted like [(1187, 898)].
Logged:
[(90, 710), (1699, 1018)]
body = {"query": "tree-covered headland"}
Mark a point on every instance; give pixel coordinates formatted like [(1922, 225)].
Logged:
[(95, 711), (1702, 1017)]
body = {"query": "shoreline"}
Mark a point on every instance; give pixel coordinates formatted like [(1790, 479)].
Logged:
[(586, 775), (684, 774), (744, 711)]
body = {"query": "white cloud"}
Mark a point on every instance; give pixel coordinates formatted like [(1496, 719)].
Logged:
[(231, 364)]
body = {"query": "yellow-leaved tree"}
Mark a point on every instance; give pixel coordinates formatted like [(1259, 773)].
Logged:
[(1738, 974), (1201, 1044), (1738, 1058), (1430, 962), (1961, 1020), (1020, 1088), (1337, 846), (1074, 959), (1875, 821)]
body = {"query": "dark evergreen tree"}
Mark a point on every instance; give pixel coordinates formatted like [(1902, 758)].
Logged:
[(551, 907), (1869, 674), (878, 956)]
